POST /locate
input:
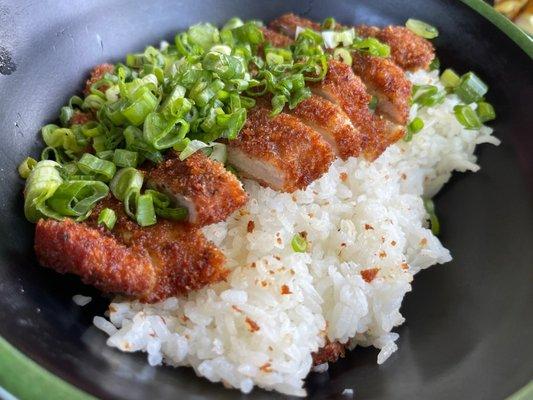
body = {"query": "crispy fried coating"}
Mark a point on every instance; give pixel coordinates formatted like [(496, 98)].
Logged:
[(150, 263), (344, 88), (276, 39), (100, 260), (408, 50), (331, 352), (280, 152), (385, 80), (96, 74), (80, 118), (287, 24), (332, 123), (204, 186)]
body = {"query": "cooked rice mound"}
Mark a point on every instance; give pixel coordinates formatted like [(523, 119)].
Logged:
[(368, 236)]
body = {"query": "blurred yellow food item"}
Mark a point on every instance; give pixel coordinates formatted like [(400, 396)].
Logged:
[(525, 19), (520, 11)]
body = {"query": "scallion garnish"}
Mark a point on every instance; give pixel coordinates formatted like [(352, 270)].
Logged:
[(108, 218), (299, 243), (450, 79), (471, 88), (466, 116), (427, 95), (485, 111), (344, 55), (145, 213), (435, 64), (26, 166), (433, 219), (422, 28), (415, 126)]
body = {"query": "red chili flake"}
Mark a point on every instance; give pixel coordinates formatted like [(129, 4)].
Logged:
[(369, 274), (423, 242), (285, 289), (404, 266), (382, 254), (252, 325), (368, 227), (251, 226), (266, 367), (236, 309), (343, 176)]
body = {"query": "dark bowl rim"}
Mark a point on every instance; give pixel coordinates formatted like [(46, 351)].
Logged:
[(22, 377)]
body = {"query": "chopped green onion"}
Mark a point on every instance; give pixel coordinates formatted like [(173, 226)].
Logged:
[(162, 132), (26, 166), (435, 64), (145, 214), (450, 79), (125, 158), (415, 126), (126, 186), (329, 23), (43, 181), (219, 153), (371, 46), (76, 198), (471, 88), (373, 103), (485, 111), (192, 147), (427, 95), (107, 217), (433, 219), (344, 55), (102, 169), (299, 243), (422, 28), (467, 117)]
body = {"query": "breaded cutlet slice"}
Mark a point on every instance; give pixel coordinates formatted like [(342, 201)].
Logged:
[(381, 76), (287, 24), (342, 87), (150, 263), (100, 260), (408, 50), (387, 81), (204, 186), (276, 39), (280, 152), (332, 123)]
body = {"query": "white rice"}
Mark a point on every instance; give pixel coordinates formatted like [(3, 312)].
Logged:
[(81, 300), (245, 331)]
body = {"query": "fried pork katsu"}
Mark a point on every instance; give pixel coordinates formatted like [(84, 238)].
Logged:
[(287, 24), (285, 152), (344, 88), (332, 123), (204, 186), (385, 80), (150, 263), (408, 50), (280, 152)]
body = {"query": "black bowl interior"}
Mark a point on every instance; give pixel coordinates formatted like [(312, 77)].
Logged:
[(469, 325)]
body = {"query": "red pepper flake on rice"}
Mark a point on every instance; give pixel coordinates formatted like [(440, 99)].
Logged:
[(252, 325), (369, 274), (250, 227), (285, 289)]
